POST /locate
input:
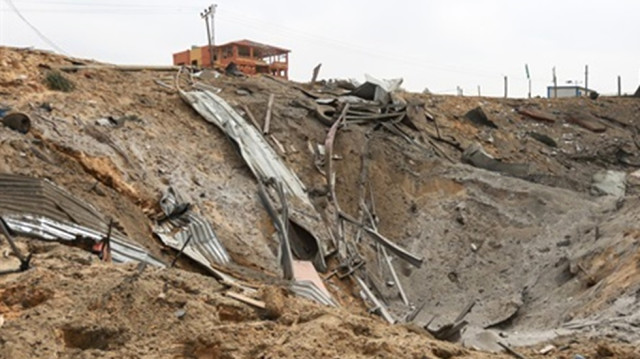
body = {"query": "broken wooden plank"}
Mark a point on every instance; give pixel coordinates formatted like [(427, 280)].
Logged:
[(250, 115), (243, 298), (267, 117), (512, 352), (278, 144)]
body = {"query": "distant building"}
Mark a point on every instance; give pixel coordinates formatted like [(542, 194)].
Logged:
[(567, 91), (250, 57)]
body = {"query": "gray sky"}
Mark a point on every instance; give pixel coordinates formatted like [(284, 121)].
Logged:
[(438, 44)]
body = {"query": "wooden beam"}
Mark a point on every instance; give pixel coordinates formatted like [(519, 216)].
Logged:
[(267, 117)]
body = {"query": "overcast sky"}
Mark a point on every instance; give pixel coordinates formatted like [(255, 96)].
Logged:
[(434, 44)]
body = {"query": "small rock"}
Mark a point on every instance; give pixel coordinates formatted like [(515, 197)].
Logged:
[(548, 349), (180, 313), (609, 183)]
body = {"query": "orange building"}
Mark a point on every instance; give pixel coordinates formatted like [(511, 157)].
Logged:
[(249, 56)]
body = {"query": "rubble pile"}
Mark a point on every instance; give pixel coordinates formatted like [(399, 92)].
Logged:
[(188, 210)]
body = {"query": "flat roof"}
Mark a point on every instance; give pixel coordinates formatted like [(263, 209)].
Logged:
[(264, 47)]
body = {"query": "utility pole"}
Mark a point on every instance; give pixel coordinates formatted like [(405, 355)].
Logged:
[(555, 83), (479, 93), (586, 77), (208, 16), (526, 68), (506, 86)]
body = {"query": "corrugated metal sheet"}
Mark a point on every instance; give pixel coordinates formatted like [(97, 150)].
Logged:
[(38, 208), (308, 289), (204, 246), (265, 164)]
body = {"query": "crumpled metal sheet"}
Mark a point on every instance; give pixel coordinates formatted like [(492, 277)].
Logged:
[(38, 208), (41, 227), (265, 164), (377, 90), (204, 246)]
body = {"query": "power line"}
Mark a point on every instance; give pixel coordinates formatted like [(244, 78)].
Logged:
[(38, 32)]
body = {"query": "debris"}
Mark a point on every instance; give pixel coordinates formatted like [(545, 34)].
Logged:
[(37, 208), (17, 121), (586, 120), (316, 71), (378, 306), (325, 114), (547, 349), (377, 90), (542, 138), (451, 331), (609, 183), (24, 261), (232, 70), (180, 313), (267, 116), (243, 298), (264, 163), (243, 92), (411, 258), (4, 110), (186, 231), (308, 284), (250, 115), (476, 156), (175, 259), (512, 352), (162, 84), (538, 115), (278, 144), (414, 313), (478, 117)]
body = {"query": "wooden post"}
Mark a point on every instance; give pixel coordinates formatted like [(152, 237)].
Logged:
[(555, 83), (267, 117), (586, 77), (619, 86)]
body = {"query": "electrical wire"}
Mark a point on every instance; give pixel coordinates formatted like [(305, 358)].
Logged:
[(35, 29)]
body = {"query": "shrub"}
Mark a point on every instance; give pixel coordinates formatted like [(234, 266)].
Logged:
[(58, 82)]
